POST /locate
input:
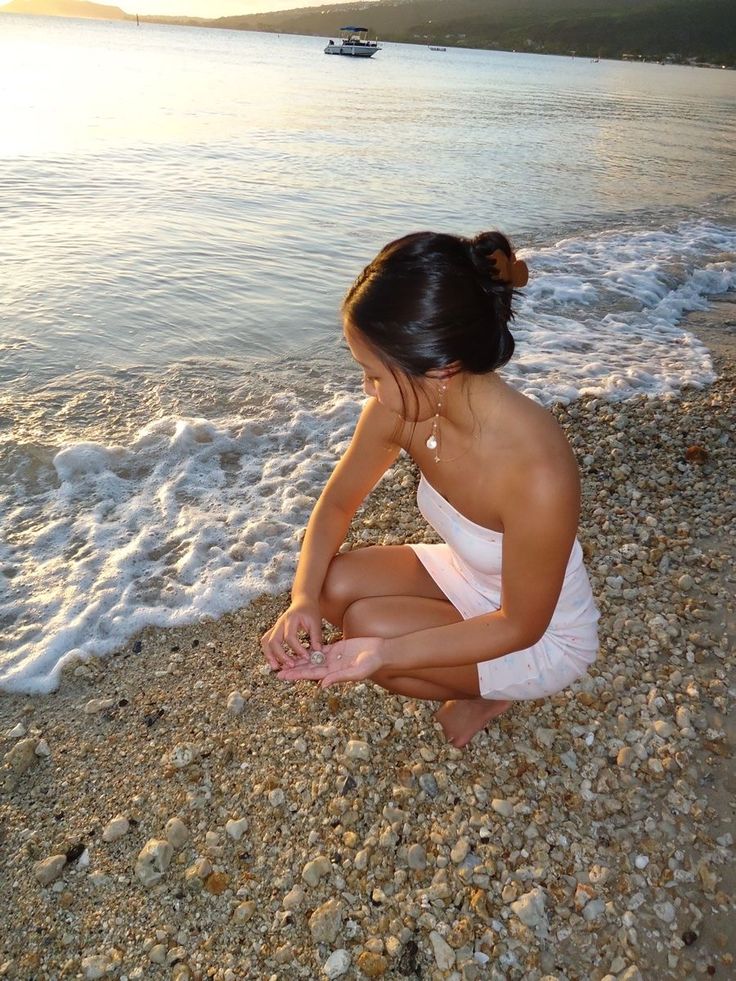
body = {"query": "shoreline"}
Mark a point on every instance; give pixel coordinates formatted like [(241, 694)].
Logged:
[(213, 24), (576, 838)]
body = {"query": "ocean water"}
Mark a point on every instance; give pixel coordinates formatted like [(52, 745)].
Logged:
[(181, 212)]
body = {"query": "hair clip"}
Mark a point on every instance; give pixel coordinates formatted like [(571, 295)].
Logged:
[(513, 271)]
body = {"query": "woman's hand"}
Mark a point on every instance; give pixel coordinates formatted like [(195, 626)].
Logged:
[(347, 660), (300, 617)]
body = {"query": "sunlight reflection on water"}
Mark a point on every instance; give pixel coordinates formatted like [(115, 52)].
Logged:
[(164, 188)]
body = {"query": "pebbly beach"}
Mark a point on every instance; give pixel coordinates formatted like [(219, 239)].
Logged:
[(176, 812)]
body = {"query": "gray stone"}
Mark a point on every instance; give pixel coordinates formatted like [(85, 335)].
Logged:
[(416, 857), (294, 897), (96, 966), (325, 922), (116, 828), (96, 705), (235, 703), (313, 871), (236, 829), (49, 869), (22, 755), (503, 807), (242, 913), (157, 954), (177, 833), (336, 964), (593, 910), (428, 784), (196, 874), (276, 797), (153, 861), (444, 955), (181, 755), (460, 850), (530, 908), (357, 749), (665, 912)]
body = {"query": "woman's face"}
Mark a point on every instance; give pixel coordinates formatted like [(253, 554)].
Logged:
[(393, 390)]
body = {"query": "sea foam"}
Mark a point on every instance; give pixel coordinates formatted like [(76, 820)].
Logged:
[(194, 517)]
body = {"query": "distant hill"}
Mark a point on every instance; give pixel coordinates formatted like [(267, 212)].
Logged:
[(702, 30), (64, 8)]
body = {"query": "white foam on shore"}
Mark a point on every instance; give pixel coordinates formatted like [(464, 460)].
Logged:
[(195, 517), (601, 314)]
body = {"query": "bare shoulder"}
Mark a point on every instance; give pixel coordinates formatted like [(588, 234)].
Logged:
[(378, 424), (543, 469)]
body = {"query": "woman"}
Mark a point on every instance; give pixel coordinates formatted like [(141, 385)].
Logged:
[(503, 610)]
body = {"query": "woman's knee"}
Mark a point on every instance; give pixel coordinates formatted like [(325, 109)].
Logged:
[(351, 576), (363, 618), (338, 589)]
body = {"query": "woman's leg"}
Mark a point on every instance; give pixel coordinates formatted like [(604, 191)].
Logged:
[(385, 591), (379, 570)]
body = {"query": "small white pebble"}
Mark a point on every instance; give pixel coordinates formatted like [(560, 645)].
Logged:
[(503, 807), (116, 828), (236, 829), (235, 703), (357, 749)]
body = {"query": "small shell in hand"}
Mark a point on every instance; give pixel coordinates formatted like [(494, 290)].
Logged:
[(316, 657)]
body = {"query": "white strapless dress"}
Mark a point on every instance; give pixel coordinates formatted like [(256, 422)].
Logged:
[(467, 568)]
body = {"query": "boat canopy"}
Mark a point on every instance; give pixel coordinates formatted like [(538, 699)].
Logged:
[(355, 30)]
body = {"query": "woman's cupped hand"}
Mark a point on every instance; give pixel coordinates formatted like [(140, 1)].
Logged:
[(345, 661)]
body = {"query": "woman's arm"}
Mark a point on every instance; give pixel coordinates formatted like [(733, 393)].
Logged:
[(369, 455), (371, 452)]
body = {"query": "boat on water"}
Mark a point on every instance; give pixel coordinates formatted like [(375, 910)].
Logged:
[(353, 42), (434, 47)]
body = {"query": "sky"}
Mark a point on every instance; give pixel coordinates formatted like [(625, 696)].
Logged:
[(209, 8)]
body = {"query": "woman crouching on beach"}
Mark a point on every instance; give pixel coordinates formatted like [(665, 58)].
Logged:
[(503, 610)]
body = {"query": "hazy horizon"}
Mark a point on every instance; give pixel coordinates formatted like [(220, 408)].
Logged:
[(210, 8)]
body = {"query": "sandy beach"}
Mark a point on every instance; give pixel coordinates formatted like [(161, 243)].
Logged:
[(177, 812)]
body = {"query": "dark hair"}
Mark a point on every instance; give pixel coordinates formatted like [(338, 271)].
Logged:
[(430, 300)]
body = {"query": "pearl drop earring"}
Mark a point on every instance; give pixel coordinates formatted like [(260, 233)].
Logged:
[(433, 440)]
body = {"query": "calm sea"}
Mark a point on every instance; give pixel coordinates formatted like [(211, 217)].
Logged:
[(181, 211)]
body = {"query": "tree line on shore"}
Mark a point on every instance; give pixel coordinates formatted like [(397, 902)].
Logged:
[(702, 31), (677, 30)]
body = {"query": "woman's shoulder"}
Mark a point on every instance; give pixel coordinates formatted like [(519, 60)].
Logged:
[(376, 422), (538, 449), (526, 416)]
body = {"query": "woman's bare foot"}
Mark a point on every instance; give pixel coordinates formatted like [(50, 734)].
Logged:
[(462, 718)]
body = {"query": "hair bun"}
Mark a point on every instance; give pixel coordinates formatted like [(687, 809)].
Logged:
[(494, 249)]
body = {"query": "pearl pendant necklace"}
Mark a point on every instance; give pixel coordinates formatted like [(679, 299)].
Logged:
[(433, 440)]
